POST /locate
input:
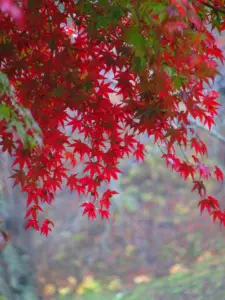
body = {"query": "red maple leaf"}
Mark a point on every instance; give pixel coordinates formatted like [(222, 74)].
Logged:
[(213, 202), (33, 211), (204, 171), (199, 185), (72, 182), (104, 213), (45, 227), (205, 204), (89, 209), (209, 121), (218, 173), (19, 177), (139, 152), (110, 171), (32, 223), (93, 168), (217, 214), (7, 143), (73, 109), (186, 170), (209, 203)]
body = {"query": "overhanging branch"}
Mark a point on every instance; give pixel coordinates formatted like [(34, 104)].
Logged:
[(220, 9), (212, 132)]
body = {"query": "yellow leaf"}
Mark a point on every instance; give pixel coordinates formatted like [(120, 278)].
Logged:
[(142, 278), (49, 290), (89, 283), (178, 269), (72, 280), (83, 76), (114, 284), (129, 250), (207, 255), (64, 291)]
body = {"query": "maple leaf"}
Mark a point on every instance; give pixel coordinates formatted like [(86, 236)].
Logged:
[(93, 168), (209, 121), (72, 182), (209, 203), (105, 201), (7, 144), (110, 171), (45, 227), (23, 158), (222, 219), (32, 197), (81, 148), (186, 170), (204, 171), (129, 140), (218, 173), (104, 213), (32, 223), (139, 152), (76, 96), (69, 155), (172, 160), (199, 146), (196, 160), (217, 214), (59, 173), (205, 204), (33, 211), (89, 209), (213, 202), (19, 177), (199, 185)]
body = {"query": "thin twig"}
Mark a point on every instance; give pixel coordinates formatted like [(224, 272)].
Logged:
[(212, 132), (217, 9)]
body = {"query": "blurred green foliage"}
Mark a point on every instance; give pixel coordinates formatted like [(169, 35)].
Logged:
[(204, 281), (18, 119), (157, 227)]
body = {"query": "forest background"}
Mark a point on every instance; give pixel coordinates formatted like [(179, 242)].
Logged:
[(166, 252)]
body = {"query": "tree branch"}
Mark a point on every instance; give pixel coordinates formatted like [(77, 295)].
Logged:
[(212, 132), (217, 9)]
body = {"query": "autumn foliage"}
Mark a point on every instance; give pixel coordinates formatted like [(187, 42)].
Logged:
[(56, 55)]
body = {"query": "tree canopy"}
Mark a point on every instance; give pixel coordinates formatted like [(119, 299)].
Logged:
[(56, 110)]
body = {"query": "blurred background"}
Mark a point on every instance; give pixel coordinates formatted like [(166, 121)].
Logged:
[(155, 246)]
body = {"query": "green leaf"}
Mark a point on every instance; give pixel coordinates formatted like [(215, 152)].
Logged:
[(12, 115), (4, 83), (5, 112), (178, 81), (58, 92), (102, 21), (52, 44), (169, 70), (163, 16), (103, 2), (87, 85), (116, 12), (154, 7), (33, 4), (29, 141), (139, 64), (133, 37)]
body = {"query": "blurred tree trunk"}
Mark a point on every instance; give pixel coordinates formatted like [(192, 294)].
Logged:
[(16, 272), (15, 275)]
